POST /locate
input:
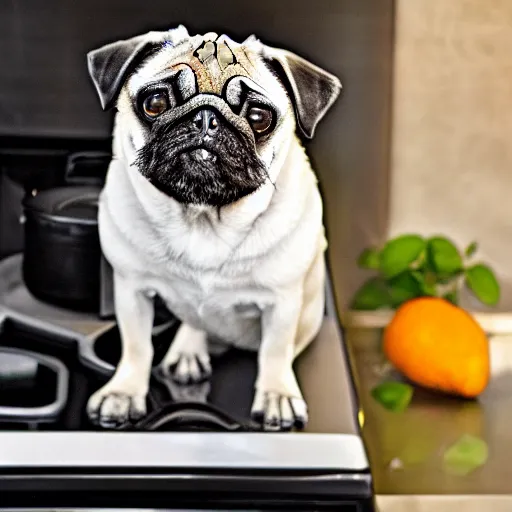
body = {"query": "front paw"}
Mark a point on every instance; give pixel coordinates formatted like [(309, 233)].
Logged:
[(115, 405), (187, 368), (278, 412), (187, 360), (184, 393)]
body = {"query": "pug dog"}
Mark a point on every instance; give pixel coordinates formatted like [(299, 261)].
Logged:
[(210, 202)]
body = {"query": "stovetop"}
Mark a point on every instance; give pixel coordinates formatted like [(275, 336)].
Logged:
[(89, 345), (90, 349), (48, 443)]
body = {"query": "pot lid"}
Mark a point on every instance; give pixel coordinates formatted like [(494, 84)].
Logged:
[(66, 204)]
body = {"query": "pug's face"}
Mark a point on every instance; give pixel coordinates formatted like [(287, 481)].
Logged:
[(210, 117), (209, 120)]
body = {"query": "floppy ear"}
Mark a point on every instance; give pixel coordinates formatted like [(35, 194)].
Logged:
[(109, 65), (314, 90)]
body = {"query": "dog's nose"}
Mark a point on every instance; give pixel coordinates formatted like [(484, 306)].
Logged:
[(207, 122)]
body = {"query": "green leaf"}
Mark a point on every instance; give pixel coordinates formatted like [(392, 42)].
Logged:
[(394, 396), (466, 455), (425, 283), (404, 287), (400, 253), (445, 257), (371, 295), (369, 258), (481, 280), (471, 249), (452, 297)]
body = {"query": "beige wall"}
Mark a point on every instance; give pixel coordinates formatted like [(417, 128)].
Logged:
[(451, 162)]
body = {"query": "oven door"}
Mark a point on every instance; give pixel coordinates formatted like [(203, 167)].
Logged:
[(177, 471)]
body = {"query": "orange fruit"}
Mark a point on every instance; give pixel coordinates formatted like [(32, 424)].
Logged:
[(439, 346)]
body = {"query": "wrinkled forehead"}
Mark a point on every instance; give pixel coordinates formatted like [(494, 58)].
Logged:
[(204, 64)]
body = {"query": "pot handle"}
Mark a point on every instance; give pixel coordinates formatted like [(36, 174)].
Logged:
[(87, 168), (107, 310)]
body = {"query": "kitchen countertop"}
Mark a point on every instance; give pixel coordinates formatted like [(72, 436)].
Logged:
[(405, 449)]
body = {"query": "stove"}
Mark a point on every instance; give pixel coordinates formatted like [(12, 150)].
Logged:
[(53, 358)]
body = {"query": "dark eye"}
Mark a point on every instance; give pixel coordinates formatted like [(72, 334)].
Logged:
[(155, 104), (260, 119)]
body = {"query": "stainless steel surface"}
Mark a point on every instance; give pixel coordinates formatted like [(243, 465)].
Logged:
[(324, 377), (183, 450), (419, 436)]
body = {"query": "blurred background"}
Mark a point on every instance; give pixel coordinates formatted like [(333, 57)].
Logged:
[(451, 157), (418, 141)]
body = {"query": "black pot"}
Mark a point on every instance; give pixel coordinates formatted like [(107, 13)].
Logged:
[(61, 263)]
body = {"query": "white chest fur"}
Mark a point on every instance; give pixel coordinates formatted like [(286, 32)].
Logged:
[(217, 271)]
